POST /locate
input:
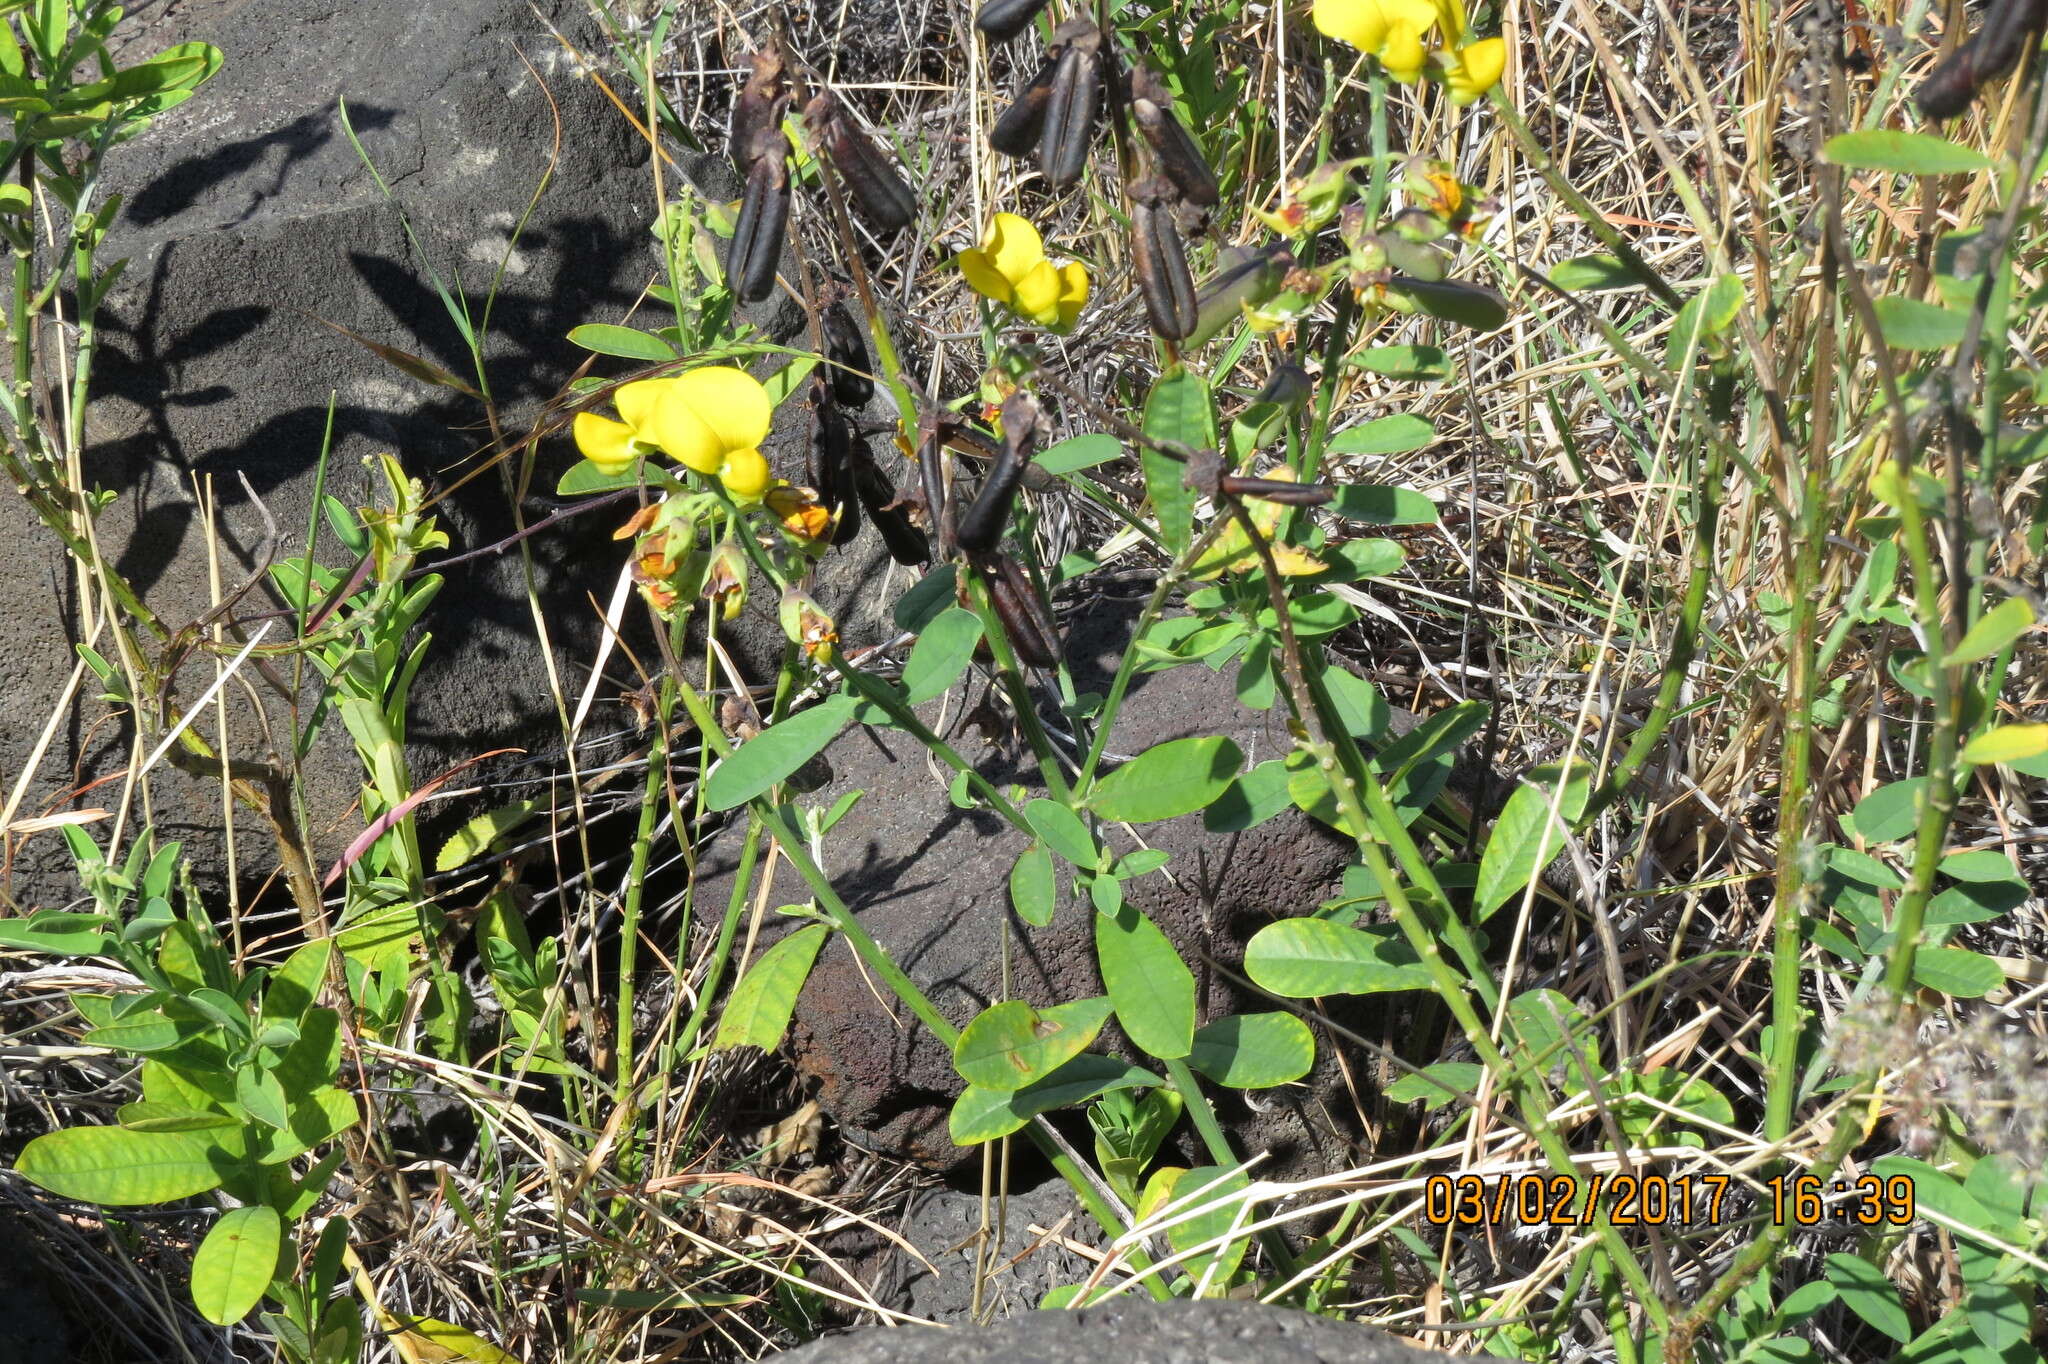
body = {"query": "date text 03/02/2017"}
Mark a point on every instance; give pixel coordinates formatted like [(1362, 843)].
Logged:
[(1659, 1200)]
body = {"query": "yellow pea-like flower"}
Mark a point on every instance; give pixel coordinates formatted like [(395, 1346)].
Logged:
[(1009, 267)]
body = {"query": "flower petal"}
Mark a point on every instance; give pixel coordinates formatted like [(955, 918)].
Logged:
[(731, 402), (1476, 69), (638, 400), (1361, 23), (1402, 53), (1038, 295), (744, 474), (605, 443), (1073, 293), (983, 278), (1012, 246)]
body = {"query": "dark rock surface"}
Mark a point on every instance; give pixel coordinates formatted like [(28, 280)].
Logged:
[(945, 1224), (930, 882), (1130, 1330), (33, 1330), (249, 220)]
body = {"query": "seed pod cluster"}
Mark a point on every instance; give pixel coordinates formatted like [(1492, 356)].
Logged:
[(1161, 260), (759, 152), (1033, 633), (981, 527), (1054, 113), (870, 177), (1995, 48)]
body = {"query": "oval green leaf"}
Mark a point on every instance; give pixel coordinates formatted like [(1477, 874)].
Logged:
[(235, 1263), (628, 343), (1395, 435), (1416, 363), (117, 1168), (1911, 324), (1177, 409), (1378, 504), (1034, 886), (1890, 811), (1526, 836), (1888, 149), (775, 753), (1080, 452), (1011, 1045), (1303, 958), (1174, 778), (1254, 1051), (1062, 831), (944, 649), (1150, 987), (984, 1114), (761, 1005), (1957, 972)]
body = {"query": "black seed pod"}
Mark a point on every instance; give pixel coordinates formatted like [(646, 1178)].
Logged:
[(831, 461), (1162, 264), (1018, 131), (757, 111), (1992, 51), (848, 352), (1278, 490), (1033, 633), (870, 177), (982, 526), (907, 544), (1070, 108), (757, 236), (1180, 160), (1003, 20)]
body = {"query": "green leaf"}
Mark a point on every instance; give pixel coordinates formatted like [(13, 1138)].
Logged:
[(984, 1114), (1150, 987), (585, 477), (1303, 958), (1460, 1075), (2006, 744), (1910, 324), (1706, 313), (1076, 453), (923, 603), (626, 342), (1010, 1045), (1870, 1295), (263, 1096), (142, 1033), (1254, 1051), (1890, 811), (1984, 865), (320, 1116), (776, 753), (1177, 409), (1199, 1186), (1034, 886), (1250, 800), (1957, 972), (482, 833), (1526, 836), (1062, 831), (944, 649), (1995, 629), (235, 1263), (1395, 435), (758, 1013), (1647, 1123), (159, 1117), (1174, 778), (117, 1168), (1381, 505), (1361, 709), (1886, 149), (1593, 274), (1419, 364), (1466, 304)]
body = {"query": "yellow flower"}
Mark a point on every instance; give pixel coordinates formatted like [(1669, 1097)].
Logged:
[(1009, 267), (1473, 70), (711, 421), (1391, 30)]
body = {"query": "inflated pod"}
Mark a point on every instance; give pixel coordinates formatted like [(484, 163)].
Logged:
[(831, 461), (848, 352), (1992, 51), (1003, 20), (1071, 106), (907, 544), (1033, 633), (1173, 147), (1162, 264), (981, 527), (871, 178), (763, 223), (757, 111), (1018, 131)]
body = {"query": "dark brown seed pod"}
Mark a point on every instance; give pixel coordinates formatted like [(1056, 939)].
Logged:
[(1070, 108), (1992, 51), (1162, 264), (870, 177), (907, 544), (831, 461), (757, 236), (1003, 20), (848, 352), (757, 111), (1173, 147), (1018, 131), (1278, 490), (1033, 632), (982, 525)]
